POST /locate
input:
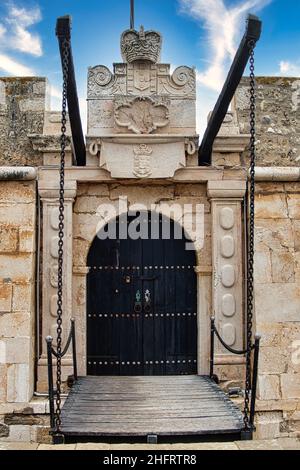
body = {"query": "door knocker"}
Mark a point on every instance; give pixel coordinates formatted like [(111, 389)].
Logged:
[(138, 303), (147, 305)]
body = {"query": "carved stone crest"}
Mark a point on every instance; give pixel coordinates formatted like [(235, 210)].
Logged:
[(141, 164), (142, 45), (141, 115), (142, 77)]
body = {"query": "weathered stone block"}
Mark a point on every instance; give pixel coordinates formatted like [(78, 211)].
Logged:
[(268, 387), (268, 425), (17, 214), (137, 194), (283, 267), (99, 190), (28, 107), (190, 190), (267, 365), (85, 226), (273, 234), (16, 325), (5, 297), (88, 204), (13, 192), (290, 385), (2, 352), (26, 241), (271, 206), (263, 268), (23, 419), (20, 433), (81, 248), (18, 383), (296, 226), (293, 202), (3, 382), (9, 238), (42, 435), (4, 430), (22, 297), (18, 350), (277, 303), (19, 268)]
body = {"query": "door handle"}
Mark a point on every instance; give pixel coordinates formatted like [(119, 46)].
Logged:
[(147, 305), (138, 304)]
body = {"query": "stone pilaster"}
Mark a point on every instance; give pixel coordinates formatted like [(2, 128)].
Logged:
[(48, 191), (204, 274), (79, 311), (227, 278)]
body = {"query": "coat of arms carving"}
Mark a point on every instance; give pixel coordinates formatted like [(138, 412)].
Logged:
[(141, 115), (141, 164)]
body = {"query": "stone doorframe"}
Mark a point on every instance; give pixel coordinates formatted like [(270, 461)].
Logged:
[(220, 285)]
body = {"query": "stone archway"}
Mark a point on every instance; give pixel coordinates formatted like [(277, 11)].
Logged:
[(141, 299)]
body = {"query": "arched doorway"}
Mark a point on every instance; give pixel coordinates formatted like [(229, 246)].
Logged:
[(142, 300)]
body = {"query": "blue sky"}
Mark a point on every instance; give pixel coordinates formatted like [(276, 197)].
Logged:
[(200, 33)]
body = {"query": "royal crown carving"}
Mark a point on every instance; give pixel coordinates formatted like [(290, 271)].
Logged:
[(142, 98), (141, 45)]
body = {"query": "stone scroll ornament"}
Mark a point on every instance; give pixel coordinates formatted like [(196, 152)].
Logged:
[(141, 164), (141, 115)]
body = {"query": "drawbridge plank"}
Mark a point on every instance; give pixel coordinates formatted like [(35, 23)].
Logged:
[(139, 406)]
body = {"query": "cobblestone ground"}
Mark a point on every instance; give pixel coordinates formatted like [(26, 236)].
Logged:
[(276, 444)]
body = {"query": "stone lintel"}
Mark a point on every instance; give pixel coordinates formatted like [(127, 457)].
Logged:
[(192, 174), (226, 189)]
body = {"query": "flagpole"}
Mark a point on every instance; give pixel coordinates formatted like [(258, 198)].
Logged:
[(131, 14)]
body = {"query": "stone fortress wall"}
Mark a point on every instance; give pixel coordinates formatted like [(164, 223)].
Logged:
[(29, 136), (277, 261)]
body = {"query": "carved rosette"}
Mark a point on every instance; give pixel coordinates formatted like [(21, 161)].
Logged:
[(141, 165), (141, 115)]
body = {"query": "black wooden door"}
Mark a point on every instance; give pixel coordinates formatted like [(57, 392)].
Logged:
[(141, 308)]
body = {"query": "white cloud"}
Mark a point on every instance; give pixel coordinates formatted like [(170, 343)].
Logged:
[(2, 30), (19, 38), (12, 67), (15, 36), (289, 68), (223, 26)]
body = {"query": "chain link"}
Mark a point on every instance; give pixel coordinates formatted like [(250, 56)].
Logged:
[(63, 142), (250, 258)]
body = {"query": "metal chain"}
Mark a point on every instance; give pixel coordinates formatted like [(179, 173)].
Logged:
[(63, 142), (250, 258)]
